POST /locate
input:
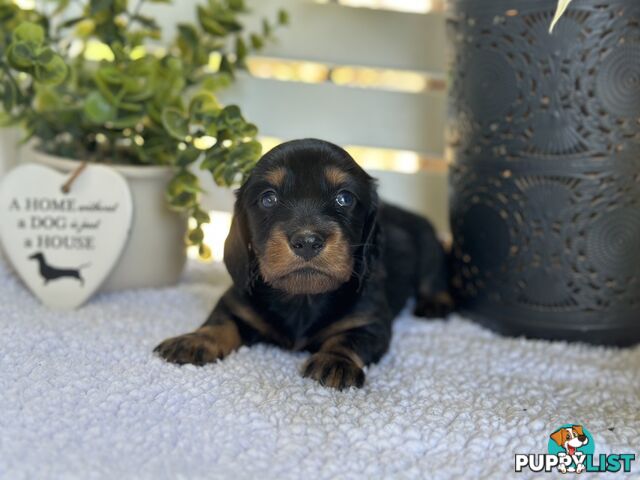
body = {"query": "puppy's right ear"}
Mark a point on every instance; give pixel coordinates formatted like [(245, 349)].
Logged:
[(238, 257), (558, 437)]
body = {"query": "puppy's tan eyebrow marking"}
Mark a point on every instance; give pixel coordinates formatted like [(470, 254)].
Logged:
[(335, 176), (276, 176)]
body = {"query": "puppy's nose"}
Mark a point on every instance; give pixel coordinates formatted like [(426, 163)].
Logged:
[(582, 438), (306, 244)]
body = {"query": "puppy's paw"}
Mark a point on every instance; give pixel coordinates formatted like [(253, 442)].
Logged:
[(438, 305), (333, 370), (205, 345)]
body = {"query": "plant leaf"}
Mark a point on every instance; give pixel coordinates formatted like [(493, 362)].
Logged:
[(561, 8), (20, 55), (183, 200), (209, 24), (266, 27), (127, 121), (204, 102), (97, 109), (46, 99), (201, 216), (283, 17), (237, 5), (226, 66), (241, 49), (175, 122), (9, 95), (257, 42), (187, 156), (204, 251), (232, 115), (184, 181), (53, 71), (29, 32), (196, 236)]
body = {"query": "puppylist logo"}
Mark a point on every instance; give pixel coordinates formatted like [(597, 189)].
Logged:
[(571, 450)]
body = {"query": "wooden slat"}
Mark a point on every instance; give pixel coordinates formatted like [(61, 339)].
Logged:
[(278, 68), (343, 115), (337, 34), (424, 193)]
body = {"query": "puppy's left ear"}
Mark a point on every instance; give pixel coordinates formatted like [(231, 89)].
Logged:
[(238, 257), (370, 238), (578, 429)]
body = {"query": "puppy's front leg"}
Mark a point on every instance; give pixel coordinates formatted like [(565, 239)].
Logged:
[(344, 348), (207, 344), (228, 327)]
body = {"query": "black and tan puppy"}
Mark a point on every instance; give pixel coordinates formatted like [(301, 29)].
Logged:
[(318, 264)]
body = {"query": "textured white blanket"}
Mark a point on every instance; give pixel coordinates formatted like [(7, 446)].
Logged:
[(81, 396)]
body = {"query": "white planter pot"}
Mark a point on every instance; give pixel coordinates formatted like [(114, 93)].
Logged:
[(9, 151), (155, 253)]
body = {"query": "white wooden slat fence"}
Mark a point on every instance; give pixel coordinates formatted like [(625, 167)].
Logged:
[(333, 34)]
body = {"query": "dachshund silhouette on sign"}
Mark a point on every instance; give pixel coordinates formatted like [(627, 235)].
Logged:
[(48, 272)]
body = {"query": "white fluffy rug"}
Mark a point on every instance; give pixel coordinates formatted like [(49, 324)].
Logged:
[(81, 396)]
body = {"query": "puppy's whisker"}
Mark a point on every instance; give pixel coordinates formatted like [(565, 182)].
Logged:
[(357, 275)]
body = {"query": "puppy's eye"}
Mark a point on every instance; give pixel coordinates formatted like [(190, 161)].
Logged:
[(345, 199), (269, 199)]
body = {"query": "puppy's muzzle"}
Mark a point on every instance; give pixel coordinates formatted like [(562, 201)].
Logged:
[(307, 261), (306, 244)]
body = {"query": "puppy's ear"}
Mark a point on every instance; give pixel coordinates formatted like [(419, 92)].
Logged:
[(238, 257), (578, 429), (558, 437), (370, 238)]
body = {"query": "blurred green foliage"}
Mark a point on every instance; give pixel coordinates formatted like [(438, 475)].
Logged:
[(148, 103)]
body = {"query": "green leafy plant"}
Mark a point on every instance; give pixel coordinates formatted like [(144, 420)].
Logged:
[(144, 102)]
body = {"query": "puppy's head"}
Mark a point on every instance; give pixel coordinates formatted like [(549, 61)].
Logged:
[(570, 438), (304, 221)]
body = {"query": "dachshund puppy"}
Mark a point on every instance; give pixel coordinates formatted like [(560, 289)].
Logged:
[(318, 264)]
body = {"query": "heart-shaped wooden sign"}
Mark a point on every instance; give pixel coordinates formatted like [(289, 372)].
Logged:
[(64, 245)]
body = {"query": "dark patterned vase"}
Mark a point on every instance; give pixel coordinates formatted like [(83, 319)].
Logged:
[(544, 138)]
